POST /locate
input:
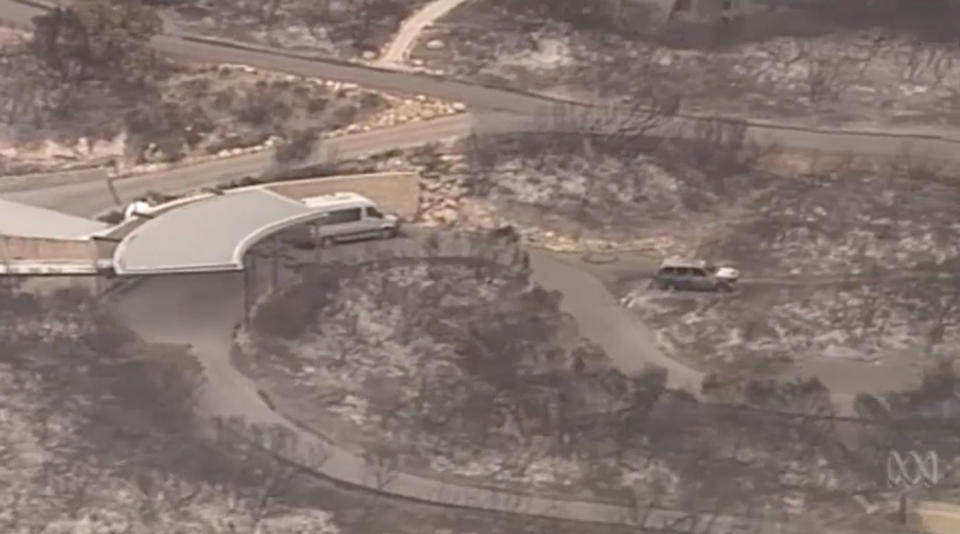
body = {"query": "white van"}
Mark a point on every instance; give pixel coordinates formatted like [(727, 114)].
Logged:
[(347, 217)]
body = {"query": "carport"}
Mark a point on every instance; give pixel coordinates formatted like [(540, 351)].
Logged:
[(23, 220), (41, 242), (209, 234)]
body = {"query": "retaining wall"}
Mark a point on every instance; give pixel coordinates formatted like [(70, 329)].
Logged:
[(416, 244), (26, 182), (398, 192), (818, 162), (933, 517), (43, 249), (422, 244), (98, 286)]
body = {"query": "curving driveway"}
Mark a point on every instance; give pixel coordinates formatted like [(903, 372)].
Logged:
[(399, 48), (627, 341), (201, 310)]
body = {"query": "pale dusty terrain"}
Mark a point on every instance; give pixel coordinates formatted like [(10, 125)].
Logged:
[(350, 30)]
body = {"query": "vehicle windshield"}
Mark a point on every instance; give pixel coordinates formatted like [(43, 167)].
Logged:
[(374, 212)]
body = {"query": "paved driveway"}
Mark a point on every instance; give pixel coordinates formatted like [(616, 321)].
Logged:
[(627, 341)]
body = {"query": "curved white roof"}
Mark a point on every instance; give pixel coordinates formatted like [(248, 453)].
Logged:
[(209, 234)]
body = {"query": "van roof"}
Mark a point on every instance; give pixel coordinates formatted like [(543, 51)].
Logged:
[(681, 262), (337, 200)]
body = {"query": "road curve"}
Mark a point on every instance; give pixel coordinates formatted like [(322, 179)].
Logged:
[(411, 28), (627, 341), (83, 197), (92, 196)]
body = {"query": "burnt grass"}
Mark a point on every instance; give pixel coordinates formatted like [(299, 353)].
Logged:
[(929, 20), (711, 200), (458, 380), (345, 29), (845, 225), (182, 111), (805, 66), (844, 259), (104, 407)]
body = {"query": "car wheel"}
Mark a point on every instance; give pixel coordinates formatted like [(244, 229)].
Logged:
[(326, 242), (725, 287), (388, 233)]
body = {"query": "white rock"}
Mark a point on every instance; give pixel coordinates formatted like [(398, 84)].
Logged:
[(435, 44), (445, 215)]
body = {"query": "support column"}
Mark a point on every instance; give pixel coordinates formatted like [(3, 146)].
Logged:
[(275, 275), (113, 193), (248, 287), (97, 273)]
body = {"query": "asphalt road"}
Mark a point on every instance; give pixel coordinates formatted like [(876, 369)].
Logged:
[(626, 340), (86, 196), (92, 196), (17, 13)]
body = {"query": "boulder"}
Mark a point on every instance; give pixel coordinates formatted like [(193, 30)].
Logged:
[(446, 215)]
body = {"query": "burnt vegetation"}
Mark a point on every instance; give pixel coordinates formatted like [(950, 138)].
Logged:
[(349, 27), (499, 375), (87, 71), (664, 21)]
